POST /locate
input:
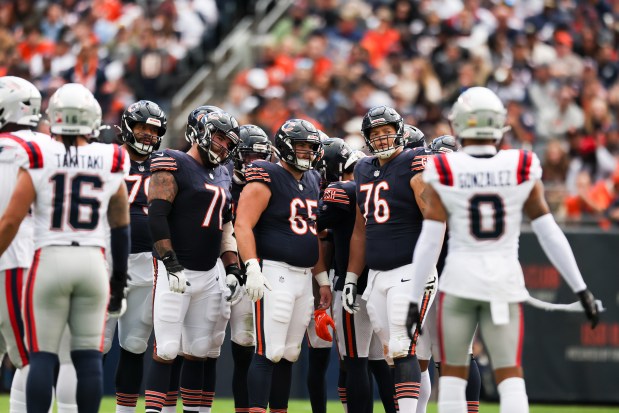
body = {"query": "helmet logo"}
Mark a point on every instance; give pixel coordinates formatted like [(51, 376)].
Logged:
[(472, 121), (213, 116), (288, 126), (153, 121), (200, 116), (133, 107)]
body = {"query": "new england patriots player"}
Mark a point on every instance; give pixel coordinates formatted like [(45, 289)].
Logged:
[(388, 223), (142, 126), (482, 193), (190, 224), (275, 221)]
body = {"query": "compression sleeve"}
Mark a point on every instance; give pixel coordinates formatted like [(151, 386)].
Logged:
[(557, 248), (158, 211), (121, 245)]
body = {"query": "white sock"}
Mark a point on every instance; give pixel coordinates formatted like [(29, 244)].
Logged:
[(513, 395), (407, 405), (451, 395), (168, 409), (125, 409), (66, 389), (17, 401), (424, 392), (204, 409)]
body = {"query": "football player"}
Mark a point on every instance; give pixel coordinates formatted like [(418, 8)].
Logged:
[(413, 137), (78, 187), (444, 144), (388, 223), (190, 224), (142, 126), (483, 192), (356, 341), (275, 221)]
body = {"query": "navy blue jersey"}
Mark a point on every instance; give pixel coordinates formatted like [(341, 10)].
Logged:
[(200, 209), (286, 230), (337, 212), (392, 217), (137, 188), (235, 191)]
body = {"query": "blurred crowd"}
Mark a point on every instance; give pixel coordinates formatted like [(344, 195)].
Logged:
[(121, 50), (554, 63)]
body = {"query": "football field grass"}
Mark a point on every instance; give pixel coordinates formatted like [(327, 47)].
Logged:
[(303, 406)]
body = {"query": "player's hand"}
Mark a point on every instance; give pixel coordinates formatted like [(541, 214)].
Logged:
[(118, 295), (235, 278), (349, 295), (326, 297), (176, 273), (591, 309), (413, 319), (322, 323), (256, 282)]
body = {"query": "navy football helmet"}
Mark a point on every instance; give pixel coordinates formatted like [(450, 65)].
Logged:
[(143, 111), (255, 144), (413, 137), (293, 132), (194, 117), (214, 123), (444, 144), (379, 116)]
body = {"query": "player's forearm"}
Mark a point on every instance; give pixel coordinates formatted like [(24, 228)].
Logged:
[(427, 251), (245, 241), (356, 259), (229, 258), (8, 229), (162, 247), (228, 240)]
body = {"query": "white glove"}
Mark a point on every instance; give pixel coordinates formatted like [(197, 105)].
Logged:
[(176, 274), (236, 292), (256, 282), (349, 295)]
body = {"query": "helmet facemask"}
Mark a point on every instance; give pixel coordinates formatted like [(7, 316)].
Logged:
[(142, 142), (303, 163)]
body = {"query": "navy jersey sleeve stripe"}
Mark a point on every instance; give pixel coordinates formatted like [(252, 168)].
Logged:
[(524, 166), (444, 171), (35, 157)]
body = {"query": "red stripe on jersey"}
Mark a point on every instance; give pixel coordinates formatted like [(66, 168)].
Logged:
[(31, 330), (524, 166), (444, 170), (520, 336), (35, 156)]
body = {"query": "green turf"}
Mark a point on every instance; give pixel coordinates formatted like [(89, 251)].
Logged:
[(302, 406)]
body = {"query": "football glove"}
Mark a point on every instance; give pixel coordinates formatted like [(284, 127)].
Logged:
[(349, 295), (256, 282), (118, 295), (591, 309), (413, 319), (235, 278), (322, 323), (176, 273)]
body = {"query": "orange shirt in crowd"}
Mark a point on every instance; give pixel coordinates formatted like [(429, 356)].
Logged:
[(379, 44), (27, 50)]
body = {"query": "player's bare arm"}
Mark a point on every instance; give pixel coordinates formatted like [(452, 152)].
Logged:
[(252, 203), (536, 205), (118, 209), (428, 200), (16, 211), (356, 260), (322, 278), (162, 186)]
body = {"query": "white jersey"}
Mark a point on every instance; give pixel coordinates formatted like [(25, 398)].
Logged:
[(19, 149), (484, 198), (73, 192)]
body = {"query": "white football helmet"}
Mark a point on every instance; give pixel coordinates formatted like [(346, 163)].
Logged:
[(73, 110), (20, 102), (478, 114)]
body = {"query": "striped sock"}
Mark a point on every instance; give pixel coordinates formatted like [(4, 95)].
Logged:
[(207, 401), (169, 406), (191, 399), (472, 407), (257, 410), (154, 401), (125, 403)]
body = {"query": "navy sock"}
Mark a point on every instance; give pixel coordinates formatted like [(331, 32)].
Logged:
[(89, 371), (209, 381), (242, 356), (192, 376), (382, 374), (157, 385), (259, 381), (316, 383), (473, 387), (40, 381), (280, 386), (128, 377), (407, 377), (357, 384)]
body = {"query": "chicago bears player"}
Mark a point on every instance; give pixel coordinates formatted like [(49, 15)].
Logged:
[(142, 126), (483, 192), (275, 221), (255, 145), (189, 220), (444, 144), (413, 137), (20, 104), (356, 341), (77, 189), (388, 223)]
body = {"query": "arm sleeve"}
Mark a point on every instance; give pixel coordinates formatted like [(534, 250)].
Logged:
[(557, 248), (427, 251), (228, 241)]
